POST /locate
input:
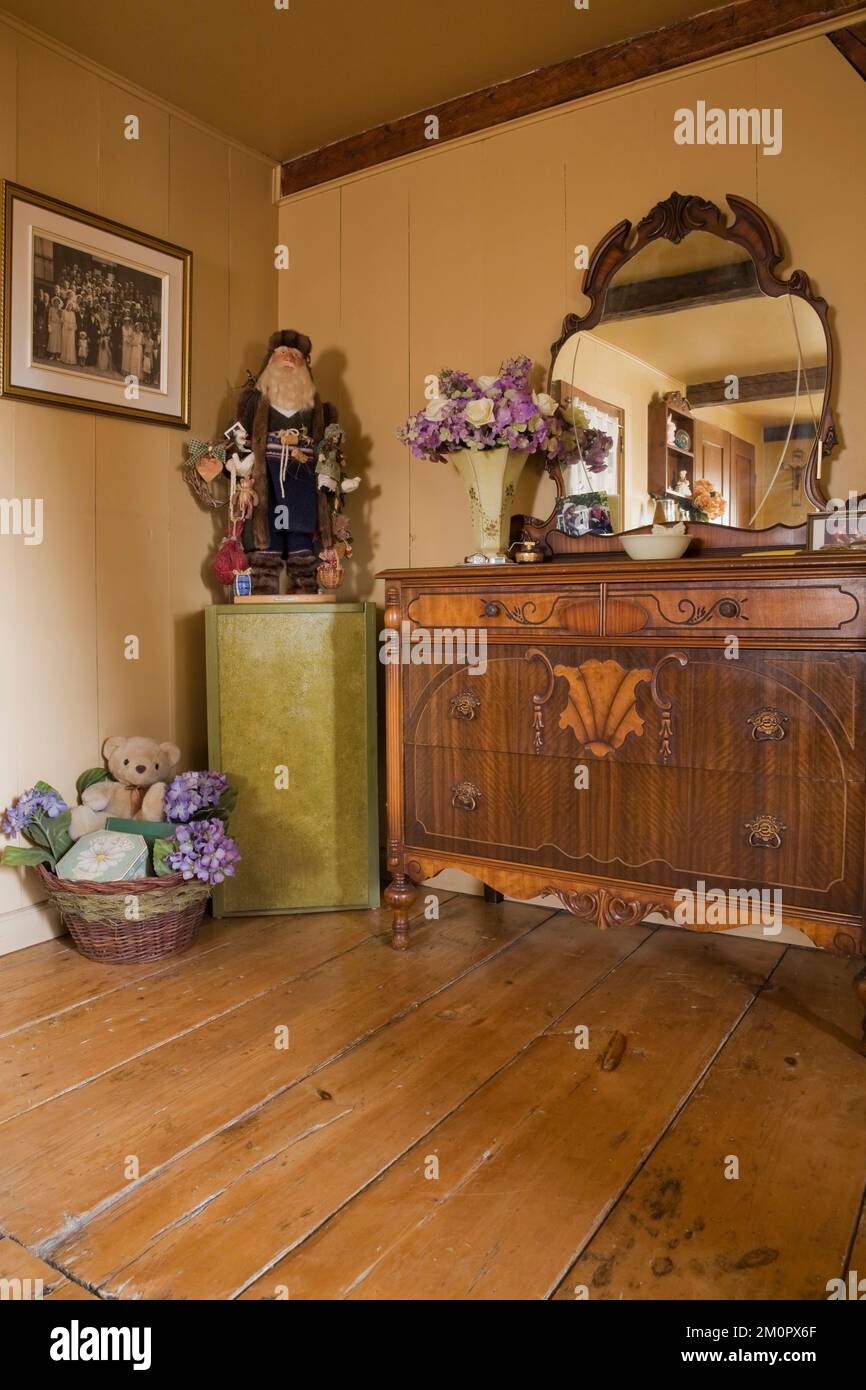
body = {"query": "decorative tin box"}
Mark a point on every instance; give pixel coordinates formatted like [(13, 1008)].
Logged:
[(104, 856)]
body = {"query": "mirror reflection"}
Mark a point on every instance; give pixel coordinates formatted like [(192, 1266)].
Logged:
[(700, 391)]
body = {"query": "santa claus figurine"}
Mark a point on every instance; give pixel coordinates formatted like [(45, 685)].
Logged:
[(297, 475)]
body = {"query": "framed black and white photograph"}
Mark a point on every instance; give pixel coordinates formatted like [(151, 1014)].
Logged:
[(95, 315)]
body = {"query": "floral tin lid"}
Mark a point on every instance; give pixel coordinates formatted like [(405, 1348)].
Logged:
[(105, 856)]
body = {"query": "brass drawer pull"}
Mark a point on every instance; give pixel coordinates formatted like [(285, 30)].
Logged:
[(464, 706), (768, 724), (765, 832), (465, 796)]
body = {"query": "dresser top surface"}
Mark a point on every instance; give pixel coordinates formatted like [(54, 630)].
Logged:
[(687, 571)]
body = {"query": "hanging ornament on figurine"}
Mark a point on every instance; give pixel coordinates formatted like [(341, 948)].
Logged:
[(231, 558)]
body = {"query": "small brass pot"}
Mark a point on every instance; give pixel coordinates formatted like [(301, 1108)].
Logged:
[(526, 552)]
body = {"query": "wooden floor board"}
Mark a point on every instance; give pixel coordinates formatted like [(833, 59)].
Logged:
[(23, 1276), (788, 1103), (114, 1028), (319, 1144), (432, 1130), (531, 1164), (64, 1159)]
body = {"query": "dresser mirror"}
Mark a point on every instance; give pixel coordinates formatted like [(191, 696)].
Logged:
[(705, 374)]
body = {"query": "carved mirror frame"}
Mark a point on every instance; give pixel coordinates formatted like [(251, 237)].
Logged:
[(673, 219)]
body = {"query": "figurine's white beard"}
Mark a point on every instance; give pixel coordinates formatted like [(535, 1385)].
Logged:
[(287, 387)]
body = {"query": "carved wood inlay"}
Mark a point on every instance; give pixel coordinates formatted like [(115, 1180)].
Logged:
[(602, 703), (605, 909), (666, 729), (523, 613), (539, 701), (700, 613)]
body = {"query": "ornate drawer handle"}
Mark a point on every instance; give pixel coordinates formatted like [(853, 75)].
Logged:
[(765, 832), (768, 724), (465, 796), (464, 706)]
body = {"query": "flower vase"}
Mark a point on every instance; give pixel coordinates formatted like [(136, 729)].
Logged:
[(490, 478)]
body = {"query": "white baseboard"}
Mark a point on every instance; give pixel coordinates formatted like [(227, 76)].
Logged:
[(27, 926)]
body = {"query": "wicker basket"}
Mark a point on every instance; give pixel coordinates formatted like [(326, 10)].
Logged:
[(170, 911)]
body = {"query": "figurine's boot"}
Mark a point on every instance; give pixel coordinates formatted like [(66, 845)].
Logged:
[(265, 568), (301, 567)]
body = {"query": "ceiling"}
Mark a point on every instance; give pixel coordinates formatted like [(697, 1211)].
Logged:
[(287, 81)]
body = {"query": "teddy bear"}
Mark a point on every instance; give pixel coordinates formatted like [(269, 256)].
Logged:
[(133, 787)]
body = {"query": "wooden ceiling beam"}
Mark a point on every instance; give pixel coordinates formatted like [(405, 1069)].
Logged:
[(763, 386), (694, 289), (692, 40), (851, 43)]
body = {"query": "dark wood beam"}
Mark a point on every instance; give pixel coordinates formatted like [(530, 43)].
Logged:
[(703, 36), (763, 386), (776, 434), (717, 284), (851, 43)]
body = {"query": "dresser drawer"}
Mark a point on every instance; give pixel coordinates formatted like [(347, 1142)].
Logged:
[(804, 839), (668, 826), (779, 714), (537, 610), (821, 607)]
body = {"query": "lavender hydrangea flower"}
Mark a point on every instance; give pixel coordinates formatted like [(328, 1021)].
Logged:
[(28, 806), (509, 414), (190, 791), (204, 851)]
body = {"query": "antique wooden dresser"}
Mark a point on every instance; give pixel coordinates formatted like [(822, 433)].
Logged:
[(639, 729)]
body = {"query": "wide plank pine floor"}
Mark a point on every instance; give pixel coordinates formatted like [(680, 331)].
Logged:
[(519, 1107)]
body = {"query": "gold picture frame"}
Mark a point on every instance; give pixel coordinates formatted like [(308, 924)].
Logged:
[(95, 315)]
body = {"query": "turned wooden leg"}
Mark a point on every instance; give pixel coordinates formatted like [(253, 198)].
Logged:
[(491, 895), (860, 991), (400, 895)]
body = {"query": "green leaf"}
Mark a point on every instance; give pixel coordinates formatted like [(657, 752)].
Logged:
[(14, 855), (161, 850), (35, 833), (87, 779), (57, 833)]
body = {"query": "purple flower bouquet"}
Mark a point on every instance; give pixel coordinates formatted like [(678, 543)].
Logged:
[(42, 817), (200, 850), (491, 412), (200, 803)]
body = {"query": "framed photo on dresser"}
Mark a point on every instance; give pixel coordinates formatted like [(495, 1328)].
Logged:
[(95, 315)]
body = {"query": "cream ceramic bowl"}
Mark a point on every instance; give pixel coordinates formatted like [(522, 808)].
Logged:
[(655, 547)]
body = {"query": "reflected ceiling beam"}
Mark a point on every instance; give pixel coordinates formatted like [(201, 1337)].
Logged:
[(851, 43), (777, 434), (763, 386), (692, 40), (694, 289)]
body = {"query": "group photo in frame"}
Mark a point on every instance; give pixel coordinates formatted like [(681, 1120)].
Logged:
[(95, 315)]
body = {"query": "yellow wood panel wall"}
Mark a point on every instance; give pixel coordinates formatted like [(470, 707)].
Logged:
[(126, 547), (476, 242)]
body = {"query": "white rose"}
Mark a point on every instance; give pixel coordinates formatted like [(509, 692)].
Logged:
[(546, 404), (479, 412), (485, 382), (436, 408)]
